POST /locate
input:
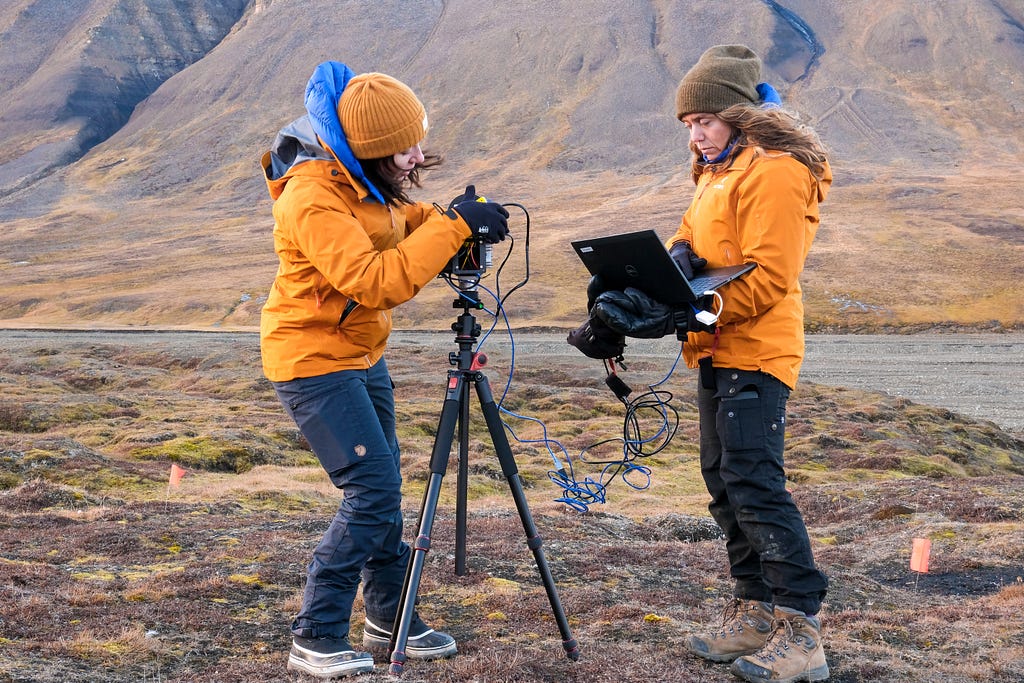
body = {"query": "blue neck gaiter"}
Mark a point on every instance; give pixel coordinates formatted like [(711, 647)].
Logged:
[(723, 155)]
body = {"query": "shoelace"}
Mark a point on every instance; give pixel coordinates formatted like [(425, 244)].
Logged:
[(778, 642), (729, 614)]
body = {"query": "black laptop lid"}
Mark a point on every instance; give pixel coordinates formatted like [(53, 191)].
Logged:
[(640, 260)]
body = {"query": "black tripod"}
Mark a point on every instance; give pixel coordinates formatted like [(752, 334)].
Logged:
[(456, 411)]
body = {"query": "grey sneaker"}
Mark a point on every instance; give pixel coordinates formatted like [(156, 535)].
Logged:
[(327, 658), (423, 642)]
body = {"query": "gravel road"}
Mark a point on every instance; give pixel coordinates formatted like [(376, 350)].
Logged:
[(979, 375)]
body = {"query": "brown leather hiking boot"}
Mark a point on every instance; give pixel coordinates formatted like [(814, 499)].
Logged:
[(746, 625), (792, 653)]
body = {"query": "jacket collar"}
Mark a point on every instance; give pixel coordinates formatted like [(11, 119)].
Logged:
[(323, 91), (295, 145)]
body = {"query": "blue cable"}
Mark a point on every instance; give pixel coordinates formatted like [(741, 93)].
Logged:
[(579, 494)]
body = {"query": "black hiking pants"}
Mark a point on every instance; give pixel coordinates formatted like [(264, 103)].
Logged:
[(742, 436)]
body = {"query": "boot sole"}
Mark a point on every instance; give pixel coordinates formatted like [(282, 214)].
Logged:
[(333, 672), (724, 657), (819, 674), (411, 651)]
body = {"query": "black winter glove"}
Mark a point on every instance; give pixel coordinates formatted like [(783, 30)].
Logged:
[(596, 340), (487, 220), (688, 262), (595, 288), (469, 195), (634, 314)]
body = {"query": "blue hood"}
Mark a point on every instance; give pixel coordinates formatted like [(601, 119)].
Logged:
[(323, 91)]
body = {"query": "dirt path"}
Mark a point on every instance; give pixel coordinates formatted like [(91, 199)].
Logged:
[(979, 375)]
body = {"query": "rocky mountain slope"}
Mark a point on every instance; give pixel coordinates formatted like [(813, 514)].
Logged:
[(130, 191)]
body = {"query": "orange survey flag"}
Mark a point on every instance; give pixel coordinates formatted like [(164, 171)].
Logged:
[(919, 557), (176, 474)]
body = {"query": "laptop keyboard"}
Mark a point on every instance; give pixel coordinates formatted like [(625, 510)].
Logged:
[(701, 283)]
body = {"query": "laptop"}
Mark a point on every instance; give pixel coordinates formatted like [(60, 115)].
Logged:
[(640, 260)]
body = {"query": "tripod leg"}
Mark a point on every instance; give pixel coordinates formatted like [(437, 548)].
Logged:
[(533, 540), (456, 397), (462, 485)]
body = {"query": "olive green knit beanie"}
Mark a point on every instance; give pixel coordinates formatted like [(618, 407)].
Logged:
[(723, 76)]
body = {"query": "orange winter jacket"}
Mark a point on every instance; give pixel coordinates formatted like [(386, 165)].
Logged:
[(343, 263), (761, 209)]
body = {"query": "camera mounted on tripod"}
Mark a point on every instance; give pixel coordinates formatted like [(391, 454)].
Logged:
[(488, 222), (472, 259)]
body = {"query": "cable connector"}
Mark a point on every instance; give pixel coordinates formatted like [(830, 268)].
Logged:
[(618, 387), (706, 317), (709, 317)]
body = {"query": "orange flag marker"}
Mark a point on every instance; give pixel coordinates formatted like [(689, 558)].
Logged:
[(919, 557), (176, 474)]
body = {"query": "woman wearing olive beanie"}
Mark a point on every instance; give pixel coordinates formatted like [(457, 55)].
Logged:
[(760, 176)]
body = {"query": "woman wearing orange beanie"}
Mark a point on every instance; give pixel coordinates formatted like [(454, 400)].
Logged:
[(351, 246)]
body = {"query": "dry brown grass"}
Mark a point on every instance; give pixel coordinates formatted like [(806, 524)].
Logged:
[(107, 574)]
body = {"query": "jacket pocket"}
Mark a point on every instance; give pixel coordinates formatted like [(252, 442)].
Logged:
[(297, 312)]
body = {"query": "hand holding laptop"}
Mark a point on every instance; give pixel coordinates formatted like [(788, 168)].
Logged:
[(634, 314), (687, 261), (638, 289)]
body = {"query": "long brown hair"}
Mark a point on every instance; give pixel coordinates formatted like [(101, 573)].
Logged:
[(772, 129), (380, 173)]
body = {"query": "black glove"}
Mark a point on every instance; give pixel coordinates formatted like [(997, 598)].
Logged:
[(487, 220), (469, 195), (596, 340), (634, 314), (688, 262), (595, 288)]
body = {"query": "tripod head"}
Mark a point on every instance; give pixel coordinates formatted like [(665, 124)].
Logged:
[(467, 331)]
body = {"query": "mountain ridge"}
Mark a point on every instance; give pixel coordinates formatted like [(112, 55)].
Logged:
[(565, 109)]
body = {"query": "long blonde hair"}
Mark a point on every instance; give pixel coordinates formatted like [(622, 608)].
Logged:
[(768, 129)]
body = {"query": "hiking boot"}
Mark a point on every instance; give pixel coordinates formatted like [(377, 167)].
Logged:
[(746, 625), (327, 658), (792, 653), (423, 642)]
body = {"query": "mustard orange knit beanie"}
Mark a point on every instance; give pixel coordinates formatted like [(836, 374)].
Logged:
[(380, 116), (723, 76)]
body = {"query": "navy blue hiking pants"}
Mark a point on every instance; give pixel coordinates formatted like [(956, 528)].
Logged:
[(742, 436), (348, 418)]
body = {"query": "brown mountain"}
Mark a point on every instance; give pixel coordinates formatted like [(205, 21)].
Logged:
[(130, 191)]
